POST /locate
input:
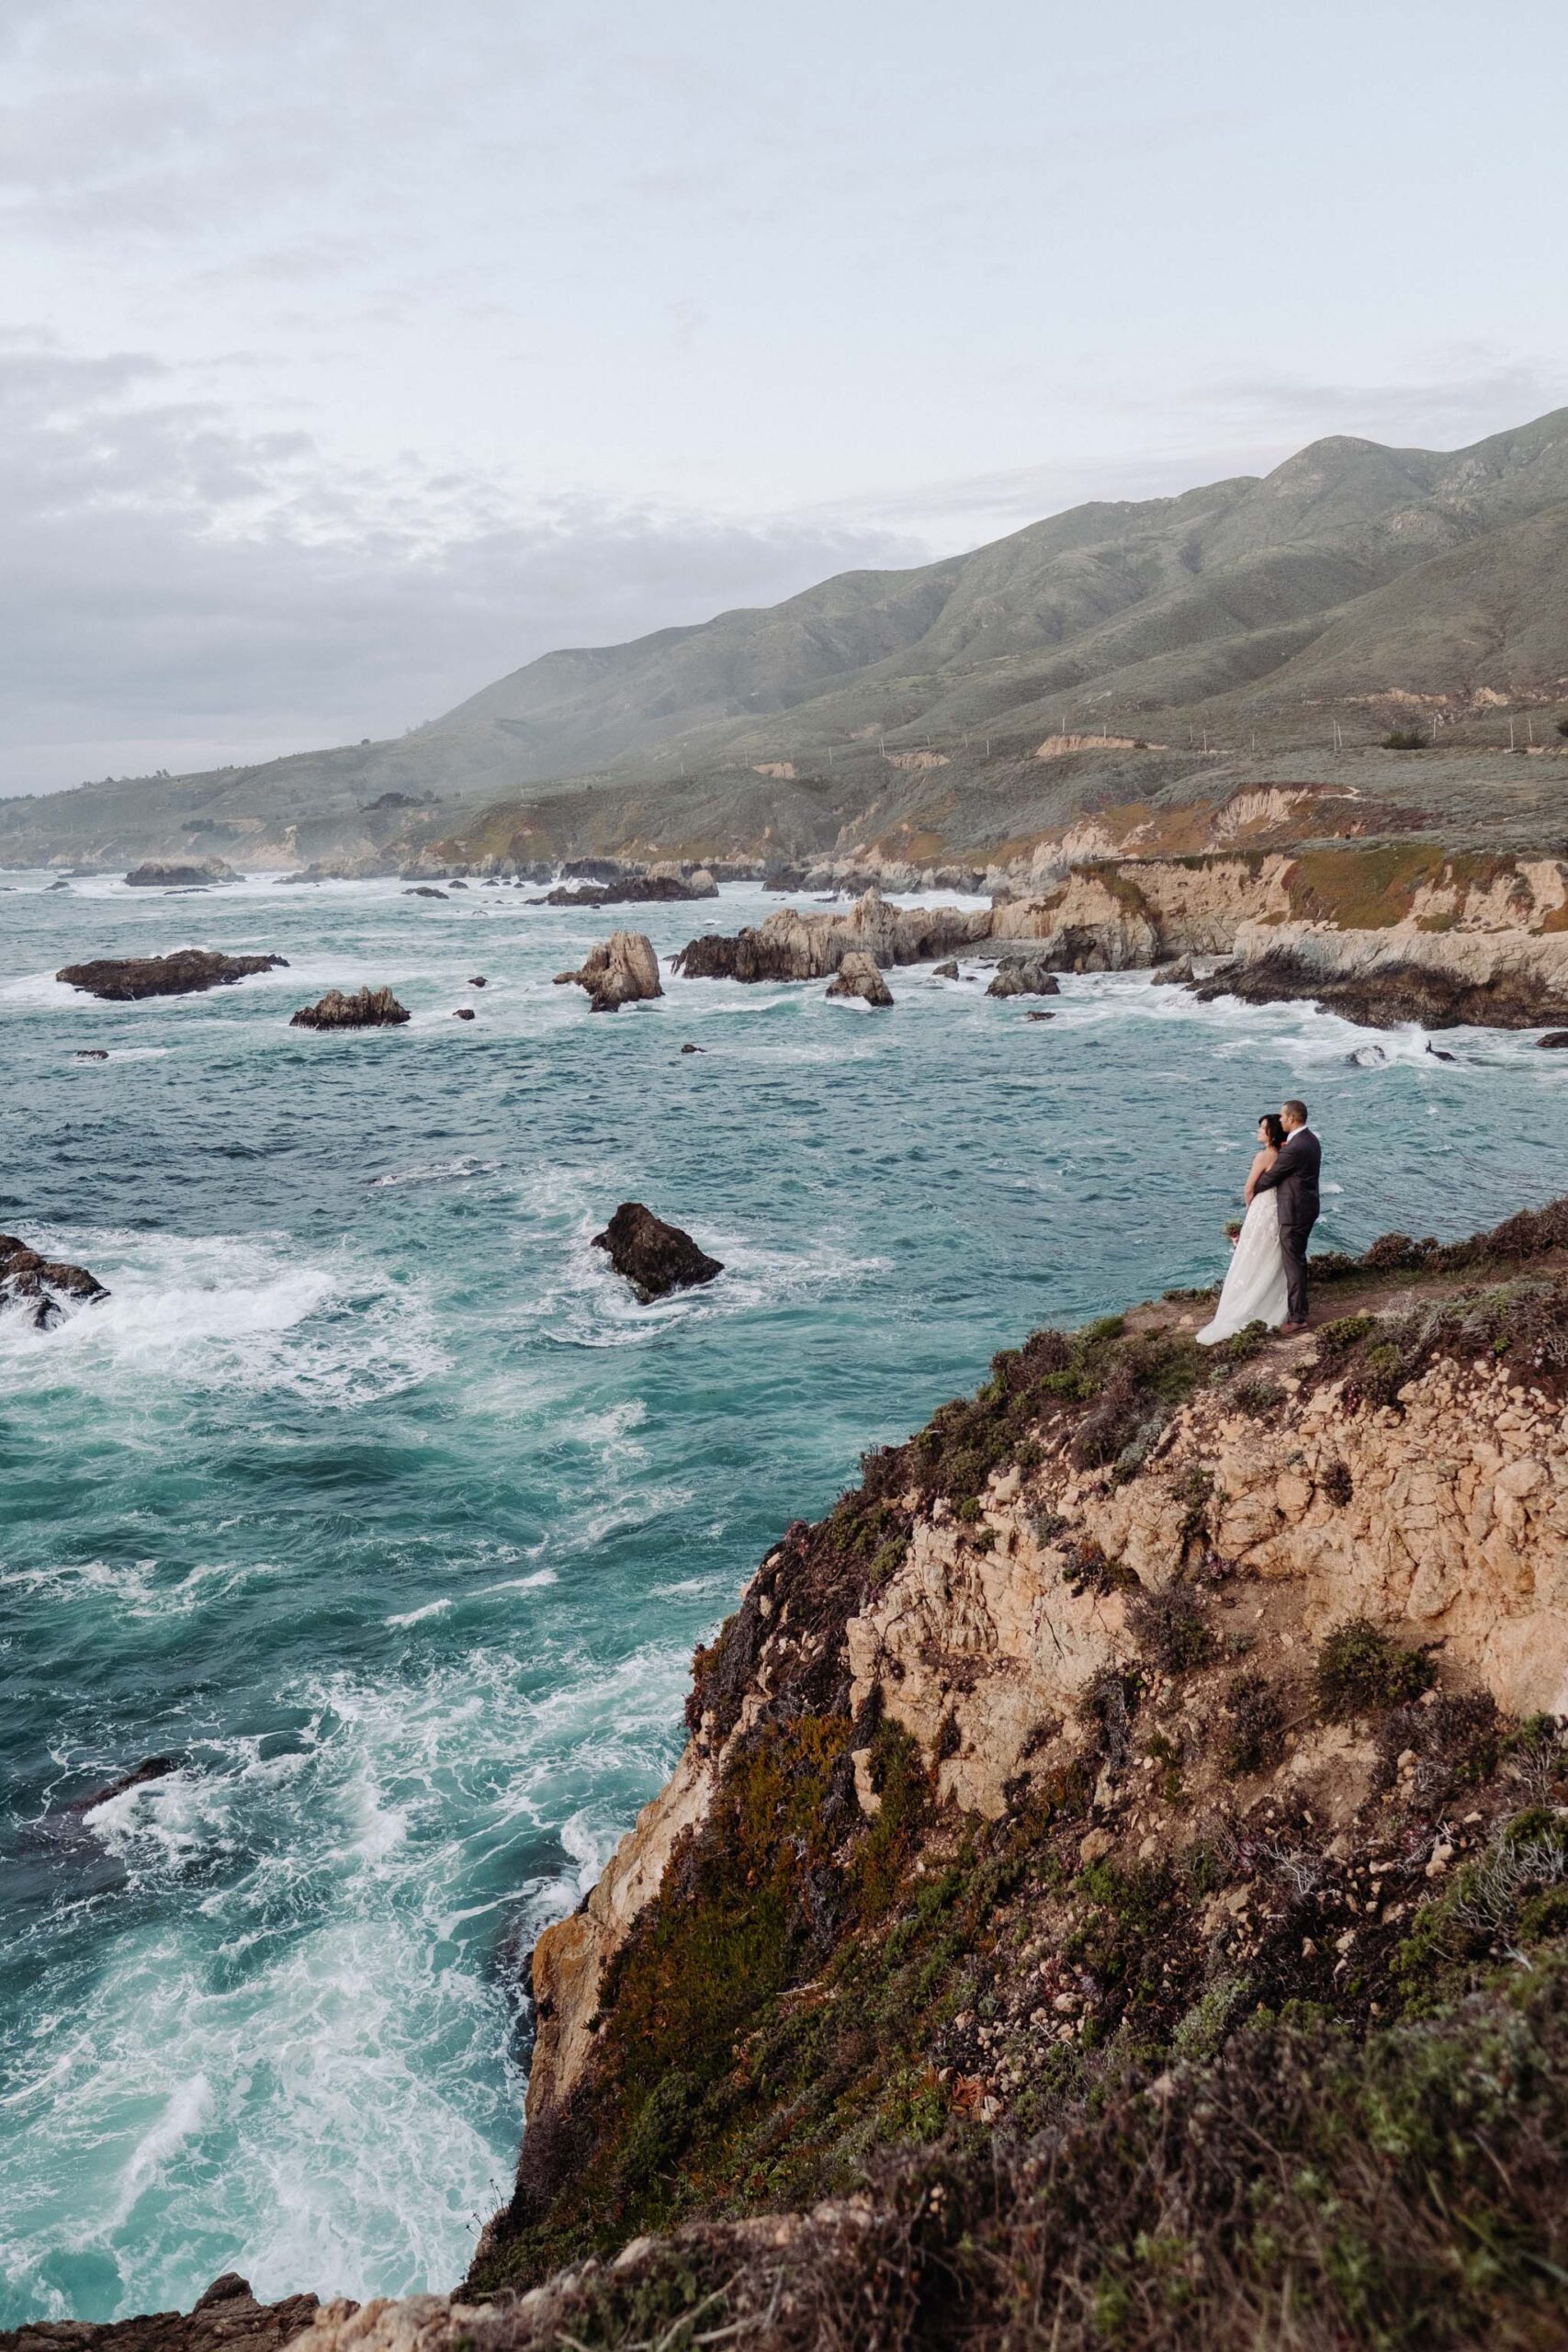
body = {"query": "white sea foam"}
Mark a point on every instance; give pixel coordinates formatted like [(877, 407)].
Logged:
[(418, 1616)]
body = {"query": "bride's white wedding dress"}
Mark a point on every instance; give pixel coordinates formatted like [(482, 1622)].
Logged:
[(1254, 1289)]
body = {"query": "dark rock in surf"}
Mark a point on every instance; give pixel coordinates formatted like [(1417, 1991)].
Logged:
[(1024, 977), (479, 981), (153, 876), (694, 1049), (122, 980), (227, 2318), (36, 1287), (424, 890), (464, 1013), (1554, 1038), (91, 1053), (948, 971), (1367, 1058), (1440, 1056), (1040, 1016), (368, 1009), (1390, 994), (1179, 974), (654, 1257)]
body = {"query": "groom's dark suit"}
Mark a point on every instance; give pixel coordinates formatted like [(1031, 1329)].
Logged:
[(1294, 1177)]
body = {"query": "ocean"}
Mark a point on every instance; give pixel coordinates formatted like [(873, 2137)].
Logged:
[(373, 1501)]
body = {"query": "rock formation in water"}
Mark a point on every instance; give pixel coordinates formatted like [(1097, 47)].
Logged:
[(369, 1008), (793, 946), (226, 2319), (36, 1287), (948, 971), (857, 975), (1025, 976), (622, 969), (654, 1257), (634, 890), (1385, 995), (196, 876), (124, 978)]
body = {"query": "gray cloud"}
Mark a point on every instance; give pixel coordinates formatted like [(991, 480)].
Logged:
[(180, 591)]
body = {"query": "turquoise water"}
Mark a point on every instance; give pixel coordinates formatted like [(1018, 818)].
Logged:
[(372, 1496)]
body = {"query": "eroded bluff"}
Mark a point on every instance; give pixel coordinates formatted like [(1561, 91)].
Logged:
[(1150, 1737)]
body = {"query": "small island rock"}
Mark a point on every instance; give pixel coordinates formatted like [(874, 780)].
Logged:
[(1553, 1038), (153, 876), (858, 975), (654, 1257), (127, 978), (622, 969), (948, 971), (1022, 977), (368, 1009)]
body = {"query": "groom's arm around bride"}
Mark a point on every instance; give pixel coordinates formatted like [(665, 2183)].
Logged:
[(1294, 1177)]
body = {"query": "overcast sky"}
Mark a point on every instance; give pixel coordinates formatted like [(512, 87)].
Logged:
[(352, 352)]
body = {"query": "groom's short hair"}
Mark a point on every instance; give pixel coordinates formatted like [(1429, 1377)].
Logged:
[(1297, 1111)]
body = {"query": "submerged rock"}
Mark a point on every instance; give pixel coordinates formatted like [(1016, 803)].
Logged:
[(368, 1009), (1025, 976), (152, 1768), (128, 979), (36, 1287), (858, 977), (1040, 1016), (622, 969), (91, 1053), (1367, 1058), (654, 1257), (479, 981), (464, 1013), (424, 890)]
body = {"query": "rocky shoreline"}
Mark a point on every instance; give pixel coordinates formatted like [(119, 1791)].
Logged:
[(1146, 1778)]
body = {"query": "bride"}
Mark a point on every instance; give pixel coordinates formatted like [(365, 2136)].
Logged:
[(1255, 1289)]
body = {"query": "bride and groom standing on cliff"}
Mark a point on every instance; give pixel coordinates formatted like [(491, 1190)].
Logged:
[(1267, 1277)]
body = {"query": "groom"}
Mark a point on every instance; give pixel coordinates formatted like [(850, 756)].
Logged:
[(1294, 1177)]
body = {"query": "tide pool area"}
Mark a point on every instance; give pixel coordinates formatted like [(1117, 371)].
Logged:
[(373, 1511)]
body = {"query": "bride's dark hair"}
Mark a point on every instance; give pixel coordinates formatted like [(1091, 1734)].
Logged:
[(1273, 1128)]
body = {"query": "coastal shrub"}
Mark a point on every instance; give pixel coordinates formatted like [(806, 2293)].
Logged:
[(1254, 1738), (1258, 1398), (1106, 1708), (1403, 739), (1173, 1629), (1359, 1672), (1336, 1485)]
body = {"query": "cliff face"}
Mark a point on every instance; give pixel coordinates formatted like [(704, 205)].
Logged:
[(1145, 1699)]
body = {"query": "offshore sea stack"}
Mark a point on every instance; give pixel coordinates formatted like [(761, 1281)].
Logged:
[(622, 969), (127, 978), (38, 1288), (858, 977), (655, 1257), (368, 1009), (794, 947)]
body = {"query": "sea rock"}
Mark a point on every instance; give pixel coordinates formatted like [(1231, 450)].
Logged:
[(1367, 1058), (1040, 1016), (1024, 977), (368, 1009), (152, 1768), (1387, 996), (694, 1049), (654, 1257), (1554, 1038), (200, 877), (424, 890), (622, 969), (127, 978), (36, 1287), (948, 971), (464, 1013), (91, 1053), (227, 2318), (656, 888), (479, 981), (1438, 1054), (1175, 976), (794, 946), (858, 977)]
